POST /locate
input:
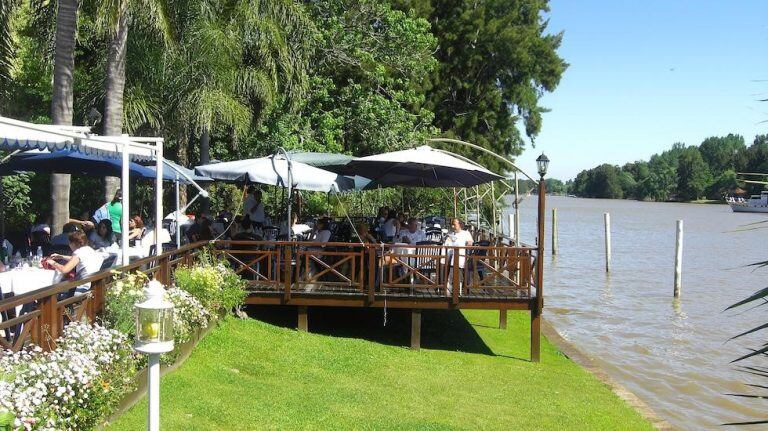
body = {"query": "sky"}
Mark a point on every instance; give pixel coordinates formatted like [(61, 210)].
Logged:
[(646, 74)]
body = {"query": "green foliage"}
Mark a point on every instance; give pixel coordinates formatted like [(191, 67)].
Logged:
[(213, 283), (16, 201), (685, 173), (495, 62), (604, 181), (692, 174)]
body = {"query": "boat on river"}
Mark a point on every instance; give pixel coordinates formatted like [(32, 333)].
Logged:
[(755, 203)]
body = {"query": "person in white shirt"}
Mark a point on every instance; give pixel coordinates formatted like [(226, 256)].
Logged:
[(254, 208), (391, 226), (412, 235), (320, 233), (458, 238), (84, 260)]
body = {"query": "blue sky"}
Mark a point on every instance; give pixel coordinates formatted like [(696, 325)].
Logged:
[(646, 74)]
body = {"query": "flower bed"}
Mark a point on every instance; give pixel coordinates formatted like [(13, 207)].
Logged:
[(94, 366)]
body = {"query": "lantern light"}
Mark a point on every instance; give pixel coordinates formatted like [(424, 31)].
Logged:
[(154, 321), (154, 335), (542, 163)]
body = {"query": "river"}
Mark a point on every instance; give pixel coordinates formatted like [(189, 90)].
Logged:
[(671, 354)]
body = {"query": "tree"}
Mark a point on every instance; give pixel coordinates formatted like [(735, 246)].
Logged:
[(6, 49), (721, 153), (692, 174), (495, 62), (115, 16), (62, 100)]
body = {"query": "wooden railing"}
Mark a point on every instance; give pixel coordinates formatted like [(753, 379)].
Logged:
[(288, 268), (42, 315), (293, 268)]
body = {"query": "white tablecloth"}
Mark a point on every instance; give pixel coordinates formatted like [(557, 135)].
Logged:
[(23, 280)]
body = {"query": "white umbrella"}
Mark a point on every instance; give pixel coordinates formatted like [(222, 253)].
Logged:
[(420, 167), (273, 170)]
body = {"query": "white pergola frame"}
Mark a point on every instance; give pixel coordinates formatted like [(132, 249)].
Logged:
[(124, 146)]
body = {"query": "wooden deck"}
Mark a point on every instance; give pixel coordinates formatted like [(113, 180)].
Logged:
[(494, 277)]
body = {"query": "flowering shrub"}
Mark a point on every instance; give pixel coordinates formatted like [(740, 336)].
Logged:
[(213, 282), (189, 315), (93, 368), (71, 387)]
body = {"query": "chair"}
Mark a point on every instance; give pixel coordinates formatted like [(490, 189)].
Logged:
[(427, 262), (434, 234), (245, 257), (482, 252), (108, 262)]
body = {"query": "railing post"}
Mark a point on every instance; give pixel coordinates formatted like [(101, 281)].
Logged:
[(165, 267), (287, 273), (98, 290), (455, 282), (371, 275), (48, 323)]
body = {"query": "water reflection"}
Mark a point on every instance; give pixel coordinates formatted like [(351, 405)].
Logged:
[(669, 352)]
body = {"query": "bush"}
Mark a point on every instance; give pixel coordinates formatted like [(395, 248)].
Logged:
[(212, 282), (189, 315), (72, 387)]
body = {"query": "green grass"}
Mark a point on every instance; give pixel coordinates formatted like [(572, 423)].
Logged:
[(469, 375)]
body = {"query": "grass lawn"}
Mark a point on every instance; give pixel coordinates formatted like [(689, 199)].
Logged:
[(352, 373)]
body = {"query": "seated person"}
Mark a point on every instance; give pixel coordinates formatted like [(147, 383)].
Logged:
[(136, 230), (63, 238), (242, 224), (391, 226), (41, 229), (102, 236), (321, 232), (296, 229), (364, 234), (85, 260), (413, 235)]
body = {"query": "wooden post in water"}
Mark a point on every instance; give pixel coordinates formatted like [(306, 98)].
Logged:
[(679, 258), (554, 231), (607, 218)]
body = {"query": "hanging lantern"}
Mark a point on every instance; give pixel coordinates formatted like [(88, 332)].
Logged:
[(154, 321)]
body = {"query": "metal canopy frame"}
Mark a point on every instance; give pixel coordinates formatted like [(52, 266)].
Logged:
[(124, 146)]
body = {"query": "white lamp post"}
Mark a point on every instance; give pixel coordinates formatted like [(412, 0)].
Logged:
[(154, 335)]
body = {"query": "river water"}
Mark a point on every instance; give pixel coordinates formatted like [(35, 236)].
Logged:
[(673, 355)]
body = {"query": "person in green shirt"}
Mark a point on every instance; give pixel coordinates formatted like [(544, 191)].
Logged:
[(115, 209)]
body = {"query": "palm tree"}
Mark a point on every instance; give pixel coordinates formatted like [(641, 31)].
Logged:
[(6, 48), (61, 100), (115, 16)]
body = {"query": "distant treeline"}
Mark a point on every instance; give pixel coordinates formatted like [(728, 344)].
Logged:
[(680, 173)]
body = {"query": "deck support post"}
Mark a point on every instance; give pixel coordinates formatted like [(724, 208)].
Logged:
[(303, 318), (502, 319), (535, 333), (415, 329)]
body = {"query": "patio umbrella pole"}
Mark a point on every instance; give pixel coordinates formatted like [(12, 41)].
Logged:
[(159, 197), (178, 222), (125, 204)]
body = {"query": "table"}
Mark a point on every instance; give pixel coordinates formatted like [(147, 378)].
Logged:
[(24, 280)]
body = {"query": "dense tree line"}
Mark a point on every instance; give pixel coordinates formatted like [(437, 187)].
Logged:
[(238, 78), (680, 173)]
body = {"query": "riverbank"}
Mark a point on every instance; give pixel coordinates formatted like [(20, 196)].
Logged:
[(249, 374)]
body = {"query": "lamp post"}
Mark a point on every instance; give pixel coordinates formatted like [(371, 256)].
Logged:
[(154, 335), (542, 163)]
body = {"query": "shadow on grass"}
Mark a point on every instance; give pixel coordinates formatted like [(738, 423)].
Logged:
[(440, 329)]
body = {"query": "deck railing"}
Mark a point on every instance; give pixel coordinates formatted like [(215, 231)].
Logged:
[(42, 316), (289, 269)]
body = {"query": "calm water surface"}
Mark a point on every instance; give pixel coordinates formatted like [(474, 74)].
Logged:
[(671, 354)]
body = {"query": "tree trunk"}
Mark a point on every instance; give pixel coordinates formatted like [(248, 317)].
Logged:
[(61, 101), (182, 156), (113, 100), (205, 158)]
